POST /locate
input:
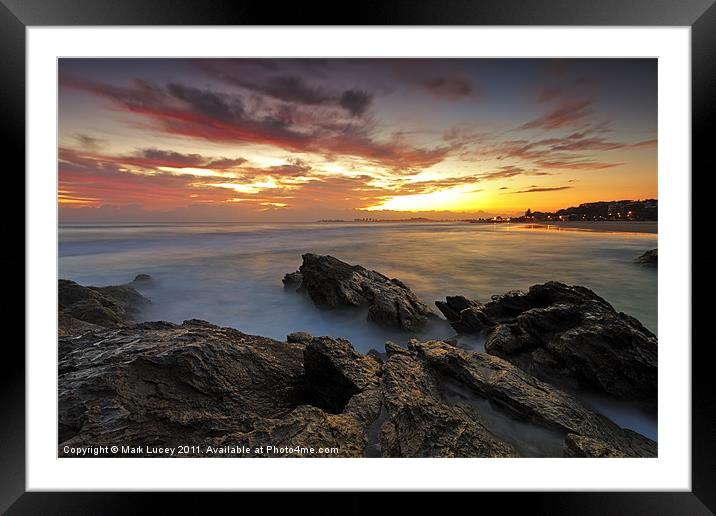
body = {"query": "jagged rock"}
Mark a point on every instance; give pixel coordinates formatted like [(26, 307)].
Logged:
[(509, 386), (199, 383), (292, 279), (336, 372), (650, 258), (142, 278), (581, 446), (380, 356), (465, 315), (88, 308), (556, 330), (421, 424), (391, 348), (168, 384), (453, 305), (333, 283), (299, 337)]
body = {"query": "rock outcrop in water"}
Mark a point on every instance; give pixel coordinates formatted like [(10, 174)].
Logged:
[(333, 283), (555, 330), (89, 308), (650, 258)]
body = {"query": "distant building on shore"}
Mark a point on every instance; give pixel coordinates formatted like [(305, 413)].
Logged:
[(626, 210)]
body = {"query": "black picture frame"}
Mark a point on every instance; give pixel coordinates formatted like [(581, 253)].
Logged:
[(16, 15)]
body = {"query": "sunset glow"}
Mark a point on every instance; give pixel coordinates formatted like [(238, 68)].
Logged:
[(306, 139)]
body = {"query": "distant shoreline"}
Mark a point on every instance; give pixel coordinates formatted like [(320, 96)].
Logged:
[(607, 226)]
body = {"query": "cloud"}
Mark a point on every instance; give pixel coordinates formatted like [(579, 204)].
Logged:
[(575, 151), (153, 158), (89, 142), (292, 88), (549, 93), (567, 114), (576, 164), (537, 189), (212, 105), (203, 114), (289, 88), (645, 143), (502, 173), (598, 144), (356, 102), (450, 88)]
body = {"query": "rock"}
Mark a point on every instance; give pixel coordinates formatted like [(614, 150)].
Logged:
[(199, 383), (649, 258), (299, 337), (336, 372), (464, 315), (380, 356), (453, 305), (88, 308), (292, 280), (501, 382), (555, 331), (421, 424), (581, 446), (333, 283), (168, 384), (142, 278), (391, 348)]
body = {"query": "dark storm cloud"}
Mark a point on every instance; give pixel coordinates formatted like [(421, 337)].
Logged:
[(289, 88), (356, 102), (221, 107), (292, 87)]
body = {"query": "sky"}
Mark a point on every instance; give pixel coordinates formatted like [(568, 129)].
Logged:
[(222, 140)]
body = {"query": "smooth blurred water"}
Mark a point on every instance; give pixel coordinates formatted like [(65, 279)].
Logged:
[(230, 274)]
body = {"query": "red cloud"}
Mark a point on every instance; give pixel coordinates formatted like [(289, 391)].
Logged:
[(195, 113)]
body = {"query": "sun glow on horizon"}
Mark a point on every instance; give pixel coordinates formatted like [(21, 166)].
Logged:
[(462, 199)]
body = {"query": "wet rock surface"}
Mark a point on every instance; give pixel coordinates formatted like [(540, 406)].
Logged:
[(330, 282), (83, 308), (556, 330), (501, 382), (649, 258), (199, 383)]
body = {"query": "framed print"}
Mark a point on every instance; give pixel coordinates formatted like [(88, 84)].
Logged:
[(439, 253)]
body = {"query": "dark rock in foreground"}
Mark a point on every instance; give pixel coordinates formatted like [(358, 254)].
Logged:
[(159, 383), (518, 392), (650, 258), (196, 383), (90, 308), (169, 385), (555, 330), (333, 283)]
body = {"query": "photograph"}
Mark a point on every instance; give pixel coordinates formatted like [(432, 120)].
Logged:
[(357, 257)]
